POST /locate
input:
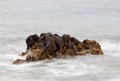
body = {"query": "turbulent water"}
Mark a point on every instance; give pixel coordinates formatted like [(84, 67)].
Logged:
[(83, 19)]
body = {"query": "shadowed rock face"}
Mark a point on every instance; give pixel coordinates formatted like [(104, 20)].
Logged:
[(48, 46), (32, 39)]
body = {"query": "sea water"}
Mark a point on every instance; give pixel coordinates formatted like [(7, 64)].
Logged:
[(83, 19)]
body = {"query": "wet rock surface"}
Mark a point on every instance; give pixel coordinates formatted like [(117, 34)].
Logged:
[(49, 46)]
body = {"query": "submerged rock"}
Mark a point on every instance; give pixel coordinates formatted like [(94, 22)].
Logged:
[(49, 46), (20, 61)]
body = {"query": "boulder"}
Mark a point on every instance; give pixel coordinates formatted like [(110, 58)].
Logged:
[(49, 46)]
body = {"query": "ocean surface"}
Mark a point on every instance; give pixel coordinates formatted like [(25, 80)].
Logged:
[(83, 19)]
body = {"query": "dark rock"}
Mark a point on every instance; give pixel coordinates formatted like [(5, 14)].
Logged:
[(49, 46), (31, 40)]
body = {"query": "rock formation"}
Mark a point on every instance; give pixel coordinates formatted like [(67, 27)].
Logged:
[(49, 46)]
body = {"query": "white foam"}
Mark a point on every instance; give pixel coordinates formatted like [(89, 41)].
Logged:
[(111, 48), (79, 18)]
